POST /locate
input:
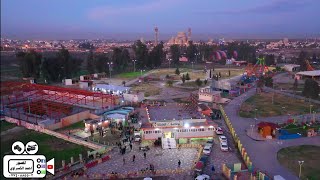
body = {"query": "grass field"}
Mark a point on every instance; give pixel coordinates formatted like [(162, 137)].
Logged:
[(130, 75), (5, 125), (50, 146), (78, 125), (148, 89), (263, 102), (290, 156), (192, 84)]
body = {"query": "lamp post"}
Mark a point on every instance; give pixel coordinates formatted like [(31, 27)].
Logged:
[(29, 104), (314, 116), (310, 109), (283, 109), (110, 64), (252, 126), (169, 62), (134, 65), (300, 165), (192, 64)]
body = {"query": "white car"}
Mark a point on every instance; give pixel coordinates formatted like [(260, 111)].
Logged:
[(224, 146), (219, 131), (207, 150), (222, 139), (202, 177), (209, 142)]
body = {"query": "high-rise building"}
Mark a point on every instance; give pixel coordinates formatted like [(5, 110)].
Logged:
[(156, 35)]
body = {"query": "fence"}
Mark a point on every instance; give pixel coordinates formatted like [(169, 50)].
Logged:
[(245, 157), (53, 133)]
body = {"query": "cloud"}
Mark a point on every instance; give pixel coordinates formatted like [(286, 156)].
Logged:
[(271, 7), (150, 6)]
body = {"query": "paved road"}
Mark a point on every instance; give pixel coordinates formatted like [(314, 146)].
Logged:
[(263, 153)]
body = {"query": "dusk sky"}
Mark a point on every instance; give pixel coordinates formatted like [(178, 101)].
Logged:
[(132, 19)]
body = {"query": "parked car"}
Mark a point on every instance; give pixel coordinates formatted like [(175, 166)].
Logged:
[(199, 167), (204, 159), (202, 177), (210, 142), (207, 150), (224, 146), (222, 139), (219, 131)]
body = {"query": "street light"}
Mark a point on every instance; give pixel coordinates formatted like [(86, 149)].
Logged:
[(29, 104), (283, 109), (110, 64), (134, 65), (169, 62), (310, 109), (252, 126), (300, 164)]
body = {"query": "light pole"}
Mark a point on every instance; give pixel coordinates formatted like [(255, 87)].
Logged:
[(252, 126), (169, 62), (310, 109), (29, 104), (300, 165), (314, 116), (110, 64), (134, 65), (283, 109), (192, 64)]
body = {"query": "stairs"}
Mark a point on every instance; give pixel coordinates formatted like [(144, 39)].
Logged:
[(169, 143)]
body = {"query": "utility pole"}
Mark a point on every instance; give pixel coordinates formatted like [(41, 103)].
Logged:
[(300, 165), (134, 65), (169, 62), (110, 64)]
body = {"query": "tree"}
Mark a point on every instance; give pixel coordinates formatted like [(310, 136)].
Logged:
[(311, 89), (302, 60), (60, 67), (270, 59), (175, 53), (101, 63), (29, 63), (295, 84), (191, 51), (205, 82), (156, 55), (124, 83), (198, 82), (177, 72), (90, 63), (183, 78), (125, 59), (268, 81), (187, 77), (169, 83), (141, 54)]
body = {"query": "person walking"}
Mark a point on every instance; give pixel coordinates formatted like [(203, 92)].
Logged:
[(179, 163), (130, 147), (145, 155), (133, 158), (124, 161)]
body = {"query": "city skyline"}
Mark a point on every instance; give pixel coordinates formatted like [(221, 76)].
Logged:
[(36, 19)]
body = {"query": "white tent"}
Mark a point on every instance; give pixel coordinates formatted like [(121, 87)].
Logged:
[(278, 177)]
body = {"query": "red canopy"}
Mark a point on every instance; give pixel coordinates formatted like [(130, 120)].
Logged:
[(264, 124)]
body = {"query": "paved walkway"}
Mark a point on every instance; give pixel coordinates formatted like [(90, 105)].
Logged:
[(263, 153)]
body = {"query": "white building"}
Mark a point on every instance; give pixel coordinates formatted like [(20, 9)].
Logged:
[(291, 67), (134, 97)]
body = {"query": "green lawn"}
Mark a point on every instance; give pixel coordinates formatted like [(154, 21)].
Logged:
[(130, 75), (78, 125), (263, 102), (5, 125), (290, 156), (50, 146), (192, 83)]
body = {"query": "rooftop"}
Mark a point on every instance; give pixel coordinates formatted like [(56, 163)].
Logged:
[(173, 112), (309, 73)]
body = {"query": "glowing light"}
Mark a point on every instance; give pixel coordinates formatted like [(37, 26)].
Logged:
[(156, 129), (186, 125), (201, 127), (192, 127), (210, 126)]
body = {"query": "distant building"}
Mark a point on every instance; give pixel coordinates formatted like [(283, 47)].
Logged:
[(180, 39), (133, 97), (291, 67), (308, 74)]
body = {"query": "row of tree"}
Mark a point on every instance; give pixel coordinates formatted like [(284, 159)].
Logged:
[(61, 66)]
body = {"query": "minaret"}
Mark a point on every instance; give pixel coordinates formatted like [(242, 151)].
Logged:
[(189, 34), (156, 35)]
